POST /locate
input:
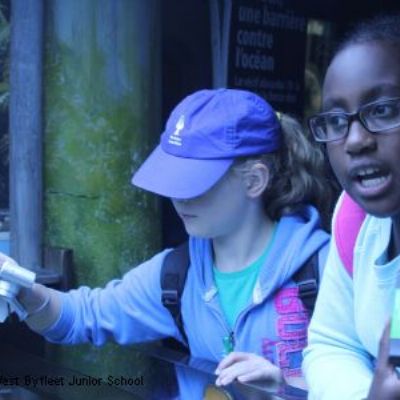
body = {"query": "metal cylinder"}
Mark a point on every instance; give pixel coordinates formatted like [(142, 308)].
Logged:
[(8, 290), (15, 274)]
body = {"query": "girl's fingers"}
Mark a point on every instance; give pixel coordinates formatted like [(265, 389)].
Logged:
[(229, 374), (251, 376), (261, 372), (231, 359), (383, 354), (253, 368)]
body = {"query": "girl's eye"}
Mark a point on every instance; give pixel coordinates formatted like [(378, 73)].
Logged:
[(337, 121), (388, 110)]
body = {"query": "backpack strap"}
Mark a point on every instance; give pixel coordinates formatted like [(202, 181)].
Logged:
[(347, 224), (307, 280), (173, 276)]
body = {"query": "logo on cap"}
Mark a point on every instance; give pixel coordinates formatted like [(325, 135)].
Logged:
[(175, 137)]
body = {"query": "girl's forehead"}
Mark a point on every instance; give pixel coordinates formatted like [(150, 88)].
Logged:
[(363, 72)]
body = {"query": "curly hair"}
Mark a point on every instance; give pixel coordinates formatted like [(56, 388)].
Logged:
[(297, 173)]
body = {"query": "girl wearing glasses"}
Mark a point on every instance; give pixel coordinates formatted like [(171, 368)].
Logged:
[(360, 124)]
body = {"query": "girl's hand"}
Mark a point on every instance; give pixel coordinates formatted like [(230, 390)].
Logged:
[(41, 303), (386, 384), (246, 367)]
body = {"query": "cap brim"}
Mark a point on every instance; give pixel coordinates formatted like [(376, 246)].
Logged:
[(178, 177)]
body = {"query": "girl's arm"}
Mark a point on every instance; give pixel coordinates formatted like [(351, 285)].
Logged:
[(42, 305), (336, 364), (127, 310)]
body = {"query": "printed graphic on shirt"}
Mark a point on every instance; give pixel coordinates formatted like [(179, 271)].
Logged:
[(291, 328)]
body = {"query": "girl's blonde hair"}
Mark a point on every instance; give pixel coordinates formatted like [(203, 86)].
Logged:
[(297, 173)]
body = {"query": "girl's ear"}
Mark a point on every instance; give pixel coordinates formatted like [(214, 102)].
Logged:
[(256, 179)]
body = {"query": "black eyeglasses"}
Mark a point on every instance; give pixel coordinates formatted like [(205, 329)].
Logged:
[(375, 117)]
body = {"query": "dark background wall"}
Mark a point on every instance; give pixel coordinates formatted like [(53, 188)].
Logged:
[(186, 67), (187, 55), (186, 64)]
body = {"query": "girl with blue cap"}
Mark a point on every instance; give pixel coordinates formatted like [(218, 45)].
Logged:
[(243, 182)]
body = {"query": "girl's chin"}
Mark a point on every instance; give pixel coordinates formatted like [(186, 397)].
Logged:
[(380, 208), (197, 233)]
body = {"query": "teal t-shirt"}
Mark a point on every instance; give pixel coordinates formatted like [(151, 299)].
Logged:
[(235, 289)]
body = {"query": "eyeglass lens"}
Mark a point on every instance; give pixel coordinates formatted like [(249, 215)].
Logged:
[(375, 117)]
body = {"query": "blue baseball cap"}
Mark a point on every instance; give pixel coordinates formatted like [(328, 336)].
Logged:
[(203, 136)]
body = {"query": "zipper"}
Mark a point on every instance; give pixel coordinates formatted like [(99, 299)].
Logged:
[(229, 343), (228, 340)]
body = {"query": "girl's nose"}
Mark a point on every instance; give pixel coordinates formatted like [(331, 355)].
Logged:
[(359, 139)]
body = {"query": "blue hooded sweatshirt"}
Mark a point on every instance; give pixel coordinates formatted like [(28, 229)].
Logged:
[(273, 324)]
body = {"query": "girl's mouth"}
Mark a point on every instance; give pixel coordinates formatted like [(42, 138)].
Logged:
[(371, 177), (370, 180)]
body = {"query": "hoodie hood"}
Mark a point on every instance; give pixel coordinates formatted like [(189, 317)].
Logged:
[(298, 236)]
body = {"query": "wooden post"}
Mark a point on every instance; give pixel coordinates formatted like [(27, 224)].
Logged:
[(26, 55)]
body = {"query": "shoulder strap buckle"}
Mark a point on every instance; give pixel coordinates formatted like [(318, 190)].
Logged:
[(170, 297), (308, 288), (307, 281)]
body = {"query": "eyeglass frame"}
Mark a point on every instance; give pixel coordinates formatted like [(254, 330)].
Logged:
[(356, 115)]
